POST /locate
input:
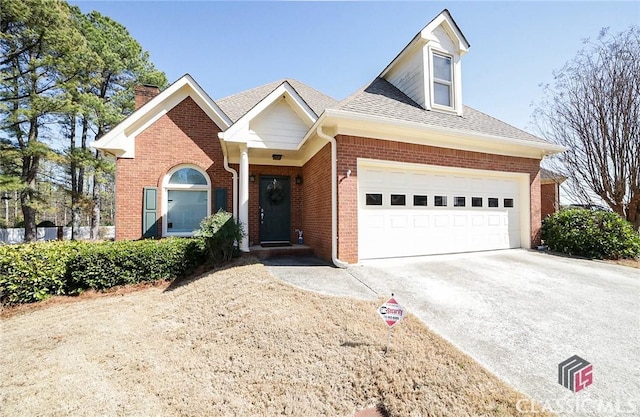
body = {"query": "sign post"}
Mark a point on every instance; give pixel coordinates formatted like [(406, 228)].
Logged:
[(392, 313)]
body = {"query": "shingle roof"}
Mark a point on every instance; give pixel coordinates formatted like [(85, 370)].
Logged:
[(547, 174), (381, 98), (239, 104)]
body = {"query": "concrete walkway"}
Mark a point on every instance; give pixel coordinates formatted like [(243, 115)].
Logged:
[(314, 274), (519, 313)]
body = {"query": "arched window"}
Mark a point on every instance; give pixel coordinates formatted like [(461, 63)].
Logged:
[(187, 198)]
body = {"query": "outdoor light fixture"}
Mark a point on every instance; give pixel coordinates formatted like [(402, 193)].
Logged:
[(298, 179), (252, 178), (276, 156)]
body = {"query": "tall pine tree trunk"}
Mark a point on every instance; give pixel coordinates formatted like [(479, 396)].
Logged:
[(30, 165), (75, 193), (96, 209)]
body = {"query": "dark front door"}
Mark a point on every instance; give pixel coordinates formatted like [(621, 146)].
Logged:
[(275, 209)]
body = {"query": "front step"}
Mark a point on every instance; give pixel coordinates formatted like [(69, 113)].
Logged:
[(261, 252)]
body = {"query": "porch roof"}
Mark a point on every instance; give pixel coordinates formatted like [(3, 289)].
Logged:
[(237, 105)]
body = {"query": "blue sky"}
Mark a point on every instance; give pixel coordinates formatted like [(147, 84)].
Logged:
[(337, 47)]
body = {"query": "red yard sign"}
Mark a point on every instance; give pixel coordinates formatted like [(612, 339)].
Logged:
[(392, 312)]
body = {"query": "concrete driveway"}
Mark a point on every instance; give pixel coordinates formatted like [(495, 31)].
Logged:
[(519, 313)]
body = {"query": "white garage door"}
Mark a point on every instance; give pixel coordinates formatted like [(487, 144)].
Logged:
[(409, 212)]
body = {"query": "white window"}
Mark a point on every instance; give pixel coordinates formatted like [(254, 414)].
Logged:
[(187, 197), (442, 80)]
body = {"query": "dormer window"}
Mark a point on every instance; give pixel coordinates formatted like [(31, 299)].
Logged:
[(428, 70), (442, 80)]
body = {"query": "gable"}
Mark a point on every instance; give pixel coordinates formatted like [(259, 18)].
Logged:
[(443, 40), (277, 127), (120, 141), (412, 71), (237, 105), (282, 112), (444, 23)]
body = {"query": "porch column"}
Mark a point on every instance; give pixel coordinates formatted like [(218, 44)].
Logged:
[(243, 196)]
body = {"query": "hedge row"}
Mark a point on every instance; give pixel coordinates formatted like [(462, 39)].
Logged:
[(33, 272), (593, 234)]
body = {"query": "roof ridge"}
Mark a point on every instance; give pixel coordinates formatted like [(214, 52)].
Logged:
[(279, 82), (239, 104), (310, 87)]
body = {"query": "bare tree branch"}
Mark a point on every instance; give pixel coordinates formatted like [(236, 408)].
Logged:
[(593, 108)]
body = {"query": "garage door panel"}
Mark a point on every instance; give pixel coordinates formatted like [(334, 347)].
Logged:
[(411, 228), (396, 180), (441, 220), (372, 178), (420, 221), (399, 222), (494, 220), (419, 180), (460, 221), (477, 221), (374, 222)]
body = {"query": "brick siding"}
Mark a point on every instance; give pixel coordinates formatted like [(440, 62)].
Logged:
[(316, 221), (144, 93), (549, 199), (185, 135)]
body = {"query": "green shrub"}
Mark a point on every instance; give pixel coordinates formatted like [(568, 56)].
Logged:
[(108, 264), (593, 234), (222, 235), (34, 271)]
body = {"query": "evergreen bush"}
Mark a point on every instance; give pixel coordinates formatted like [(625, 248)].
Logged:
[(32, 272), (592, 234), (106, 265), (222, 236)]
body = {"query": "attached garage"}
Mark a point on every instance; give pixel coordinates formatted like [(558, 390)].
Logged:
[(412, 209)]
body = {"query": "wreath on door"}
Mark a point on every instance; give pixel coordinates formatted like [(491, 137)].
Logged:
[(275, 192)]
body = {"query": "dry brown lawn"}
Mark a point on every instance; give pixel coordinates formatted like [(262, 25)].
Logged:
[(235, 342), (633, 263)]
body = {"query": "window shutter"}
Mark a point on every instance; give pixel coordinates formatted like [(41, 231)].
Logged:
[(150, 212), (220, 199)]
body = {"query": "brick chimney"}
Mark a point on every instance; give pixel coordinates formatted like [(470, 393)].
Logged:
[(145, 93)]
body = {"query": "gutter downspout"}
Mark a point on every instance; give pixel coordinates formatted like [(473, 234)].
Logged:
[(235, 186), (334, 197)]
